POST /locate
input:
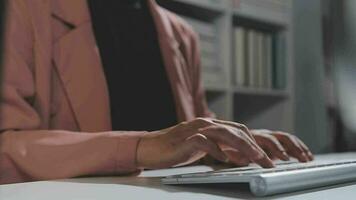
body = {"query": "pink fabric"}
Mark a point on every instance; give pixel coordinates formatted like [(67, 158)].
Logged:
[(55, 119)]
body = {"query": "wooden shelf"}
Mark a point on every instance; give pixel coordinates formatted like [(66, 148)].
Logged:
[(196, 9), (217, 7), (257, 107), (259, 21), (215, 88), (260, 92), (277, 21)]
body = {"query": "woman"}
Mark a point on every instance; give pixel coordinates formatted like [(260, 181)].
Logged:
[(90, 90)]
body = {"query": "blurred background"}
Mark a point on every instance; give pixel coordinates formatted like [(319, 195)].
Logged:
[(280, 64)]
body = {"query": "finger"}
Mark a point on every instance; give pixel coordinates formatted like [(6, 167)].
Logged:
[(274, 147), (243, 144), (200, 123), (227, 129), (269, 154), (187, 128), (303, 157), (264, 162), (237, 158), (202, 143), (306, 149), (235, 125), (292, 146)]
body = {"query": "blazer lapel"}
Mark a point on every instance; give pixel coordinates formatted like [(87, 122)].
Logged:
[(79, 66), (78, 62), (174, 63)]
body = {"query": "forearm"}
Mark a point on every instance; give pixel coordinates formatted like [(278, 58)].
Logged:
[(41, 155)]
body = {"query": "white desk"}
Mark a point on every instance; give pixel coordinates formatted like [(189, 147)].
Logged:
[(147, 186)]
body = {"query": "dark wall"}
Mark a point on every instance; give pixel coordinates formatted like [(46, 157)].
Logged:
[(344, 64), (310, 107)]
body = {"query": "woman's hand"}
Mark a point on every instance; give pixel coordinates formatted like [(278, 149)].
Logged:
[(282, 145), (276, 144), (189, 141)]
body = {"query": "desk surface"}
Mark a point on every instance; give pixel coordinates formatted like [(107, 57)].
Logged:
[(147, 186)]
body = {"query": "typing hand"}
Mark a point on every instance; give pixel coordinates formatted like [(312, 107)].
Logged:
[(282, 145), (276, 144), (189, 141)]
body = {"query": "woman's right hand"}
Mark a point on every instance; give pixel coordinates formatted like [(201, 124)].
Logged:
[(187, 142)]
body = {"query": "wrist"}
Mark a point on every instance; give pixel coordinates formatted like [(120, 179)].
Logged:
[(138, 152), (143, 150)]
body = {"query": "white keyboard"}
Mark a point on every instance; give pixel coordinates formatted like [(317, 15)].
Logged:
[(285, 177), (280, 167)]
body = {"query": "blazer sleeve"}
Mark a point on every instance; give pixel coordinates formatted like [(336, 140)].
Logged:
[(27, 153), (201, 106)]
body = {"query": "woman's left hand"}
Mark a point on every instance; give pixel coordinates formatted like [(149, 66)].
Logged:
[(281, 145), (276, 144)]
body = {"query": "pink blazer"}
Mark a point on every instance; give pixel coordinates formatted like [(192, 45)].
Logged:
[(55, 112)]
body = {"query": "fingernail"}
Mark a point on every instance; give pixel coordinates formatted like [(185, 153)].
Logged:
[(305, 157), (271, 164), (267, 160)]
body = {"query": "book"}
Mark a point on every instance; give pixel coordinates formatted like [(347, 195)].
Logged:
[(268, 61), (260, 60), (279, 61), (252, 62), (240, 56)]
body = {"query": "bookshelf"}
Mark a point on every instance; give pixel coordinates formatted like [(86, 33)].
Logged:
[(247, 66)]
